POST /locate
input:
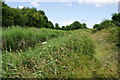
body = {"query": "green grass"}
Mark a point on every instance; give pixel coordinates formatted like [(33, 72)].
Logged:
[(16, 38), (106, 51), (70, 54)]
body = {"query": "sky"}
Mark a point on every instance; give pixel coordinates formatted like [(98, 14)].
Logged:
[(65, 12)]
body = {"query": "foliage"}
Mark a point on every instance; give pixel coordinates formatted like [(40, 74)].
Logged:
[(116, 18), (96, 26), (84, 26), (104, 24), (115, 22), (72, 55), (57, 27), (45, 53), (75, 25), (33, 18), (50, 25), (114, 38), (24, 17), (60, 57), (16, 38)]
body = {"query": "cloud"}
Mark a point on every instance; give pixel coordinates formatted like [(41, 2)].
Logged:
[(69, 4), (21, 7), (85, 1), (35, 3), (97, 3)]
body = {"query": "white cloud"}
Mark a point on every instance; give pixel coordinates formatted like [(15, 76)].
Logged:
[(83, 1), (69, 4), (21, 7), (97, 3), (35, 3)]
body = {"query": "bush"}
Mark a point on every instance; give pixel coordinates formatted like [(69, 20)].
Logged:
[(116, 18), (103, 25)]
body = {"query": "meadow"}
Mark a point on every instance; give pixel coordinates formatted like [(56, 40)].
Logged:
[(34, 47), (47, 53)]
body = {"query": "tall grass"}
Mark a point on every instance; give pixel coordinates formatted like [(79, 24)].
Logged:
[(16, 38), (60, 57), (71, 54), (0, 53)]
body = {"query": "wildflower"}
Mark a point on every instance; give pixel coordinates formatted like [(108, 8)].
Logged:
[(49, 45), (44, 42)]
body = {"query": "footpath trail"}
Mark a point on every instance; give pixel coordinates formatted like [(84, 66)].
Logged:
[(106, 52)]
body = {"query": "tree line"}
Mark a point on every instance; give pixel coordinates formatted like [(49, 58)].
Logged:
[(24, 17), (31, 17), (115, 21)]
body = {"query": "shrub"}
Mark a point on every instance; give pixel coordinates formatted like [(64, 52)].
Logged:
[(103, 25)]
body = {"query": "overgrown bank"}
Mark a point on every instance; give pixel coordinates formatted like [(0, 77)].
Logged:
[(77, 54), (59, 57)]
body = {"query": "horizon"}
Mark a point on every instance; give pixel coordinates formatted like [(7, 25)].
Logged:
[(65, 13)]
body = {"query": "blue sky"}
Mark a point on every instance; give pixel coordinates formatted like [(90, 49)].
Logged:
[(65, 13)]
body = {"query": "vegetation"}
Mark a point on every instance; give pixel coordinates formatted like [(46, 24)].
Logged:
[(33, 18), (75, 25), (24, 17), (32, 47), (104, 24), (57, 52), (116, 18), (16, 38), (115, 22), (76, 54)]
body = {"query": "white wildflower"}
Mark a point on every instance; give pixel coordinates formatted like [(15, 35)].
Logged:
[(44, 42), (49, 45)]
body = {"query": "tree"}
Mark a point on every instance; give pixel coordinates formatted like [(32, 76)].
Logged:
[(57, 26), (24, 17), (50, 25), (7, 15), (20, 19), (104, 24), (116, 18), (75, 25), (84, 26), (96, 26), (63, 28), (68, 27), (41, 12)]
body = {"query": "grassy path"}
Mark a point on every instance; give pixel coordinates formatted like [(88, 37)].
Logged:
[(106, 53)]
